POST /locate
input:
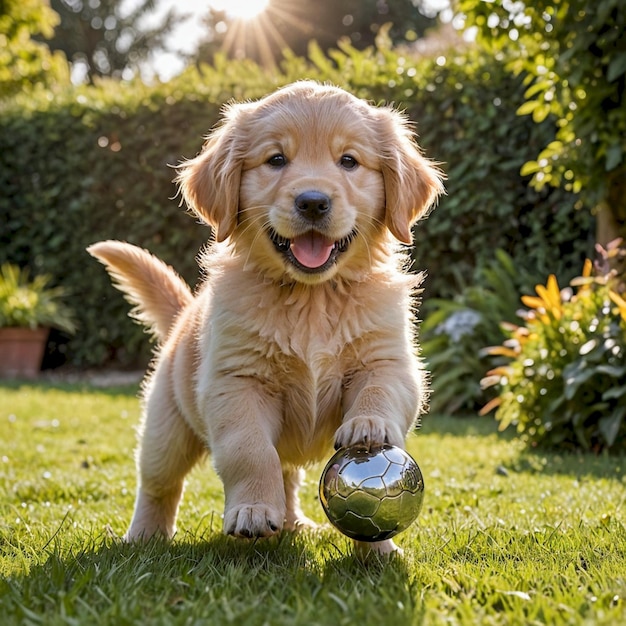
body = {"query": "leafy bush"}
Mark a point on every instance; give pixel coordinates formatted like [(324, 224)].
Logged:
[(94, 163), (565, 383), (26, 63), (96, 166), (31, 303), (455, 331)]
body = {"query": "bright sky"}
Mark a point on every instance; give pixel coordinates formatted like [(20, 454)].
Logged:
[(187, 34), (246, 9)]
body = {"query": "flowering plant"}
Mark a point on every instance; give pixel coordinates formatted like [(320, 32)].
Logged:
[(30, 302), (565, 382), (455, 331)]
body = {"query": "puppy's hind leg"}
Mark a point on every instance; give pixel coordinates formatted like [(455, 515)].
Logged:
[(168, 450)]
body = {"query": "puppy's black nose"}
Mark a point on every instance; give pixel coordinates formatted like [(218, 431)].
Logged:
[(313, 204)]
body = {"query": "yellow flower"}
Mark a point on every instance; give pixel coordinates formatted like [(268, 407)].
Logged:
[(533, 302), (501, 351), (585, 280), (621, 303), (551, 295), (548, 300)]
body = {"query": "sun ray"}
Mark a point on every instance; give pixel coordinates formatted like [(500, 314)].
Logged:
[(301, 24), (252, 31), (268, 33), (260, 27)]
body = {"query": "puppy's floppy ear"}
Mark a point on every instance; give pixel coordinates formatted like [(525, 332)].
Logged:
[(412, 182), (210, 182)]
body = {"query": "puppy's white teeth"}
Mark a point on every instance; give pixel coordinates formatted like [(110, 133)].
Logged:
[(342, 245), (282, 243)]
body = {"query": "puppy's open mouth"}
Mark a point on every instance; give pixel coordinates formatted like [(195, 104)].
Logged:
[(311, 252)]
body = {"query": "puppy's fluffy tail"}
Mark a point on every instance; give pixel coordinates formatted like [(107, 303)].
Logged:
[(157, 292)]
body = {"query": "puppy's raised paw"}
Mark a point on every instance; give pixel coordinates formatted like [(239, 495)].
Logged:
[(253, 520), (368, 429)]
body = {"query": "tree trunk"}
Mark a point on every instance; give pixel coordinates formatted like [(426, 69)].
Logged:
[(611, 217)]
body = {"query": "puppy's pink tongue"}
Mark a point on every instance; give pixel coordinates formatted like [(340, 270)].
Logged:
[(311, 249)]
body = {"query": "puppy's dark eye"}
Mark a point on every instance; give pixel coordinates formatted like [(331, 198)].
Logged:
[(348, 162), (277, 160)]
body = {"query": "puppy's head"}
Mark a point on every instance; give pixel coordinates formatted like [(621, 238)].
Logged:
[(310, 182)]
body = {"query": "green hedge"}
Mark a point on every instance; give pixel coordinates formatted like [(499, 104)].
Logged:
[(96, 164), (468, 119), (79, 171)]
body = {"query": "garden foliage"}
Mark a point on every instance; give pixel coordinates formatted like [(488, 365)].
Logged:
[(572, 56), (26, 63), (27, 302), (564, 383), (96, 162), (456, 330)]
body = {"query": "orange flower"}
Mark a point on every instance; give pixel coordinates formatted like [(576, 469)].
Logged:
[(500, 351), (492, 404)]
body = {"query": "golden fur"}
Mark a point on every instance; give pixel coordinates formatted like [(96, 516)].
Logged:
[(301, 336)]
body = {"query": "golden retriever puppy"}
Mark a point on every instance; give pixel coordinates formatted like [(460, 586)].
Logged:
[(302, 334)]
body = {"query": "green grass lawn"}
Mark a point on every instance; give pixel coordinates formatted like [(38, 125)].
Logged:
[(506, 536)]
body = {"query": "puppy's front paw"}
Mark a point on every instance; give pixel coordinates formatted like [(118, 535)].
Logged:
[(253, 520), (369, 430)]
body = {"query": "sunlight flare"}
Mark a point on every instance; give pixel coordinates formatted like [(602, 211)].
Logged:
[(240, 9)]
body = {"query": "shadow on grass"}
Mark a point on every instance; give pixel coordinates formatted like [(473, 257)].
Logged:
[(530, 460), (576, 464), (289, 580)]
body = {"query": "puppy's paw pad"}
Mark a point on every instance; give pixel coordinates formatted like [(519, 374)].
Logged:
[(253, 520)]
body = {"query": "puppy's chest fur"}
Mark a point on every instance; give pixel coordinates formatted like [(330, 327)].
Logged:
[(308, 343)]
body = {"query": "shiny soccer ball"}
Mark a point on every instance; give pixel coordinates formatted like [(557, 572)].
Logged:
[(371, 493)]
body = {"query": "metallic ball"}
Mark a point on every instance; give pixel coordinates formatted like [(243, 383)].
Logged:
[(371, 493)]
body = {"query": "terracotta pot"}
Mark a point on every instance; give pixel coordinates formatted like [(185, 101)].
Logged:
[(21, 351)]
